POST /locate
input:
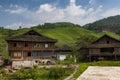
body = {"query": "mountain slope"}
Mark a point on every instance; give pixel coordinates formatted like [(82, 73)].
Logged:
[(110, 24), (66, 35)]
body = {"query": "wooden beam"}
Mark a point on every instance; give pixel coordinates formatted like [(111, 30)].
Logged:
[(89, 58), (115, 57)]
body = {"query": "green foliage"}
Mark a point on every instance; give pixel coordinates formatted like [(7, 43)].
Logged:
[(56, 25), (55, 73), (25, 74), (65, 62), (69, 57), (65, 36), (82, 67), (111, 23), (4, 74), (82, 58), (69, 60), (85, 39), (114, 35), (6, 62), (66, 33), (58, 73)]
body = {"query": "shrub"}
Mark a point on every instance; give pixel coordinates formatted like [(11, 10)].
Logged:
[(56, 73), (82, 58)]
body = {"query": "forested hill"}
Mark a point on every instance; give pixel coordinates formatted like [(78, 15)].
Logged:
[(65, 33), (56, 25), (110, 24)]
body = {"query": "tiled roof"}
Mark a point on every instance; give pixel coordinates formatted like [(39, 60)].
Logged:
[(31, 36), (63, 48)]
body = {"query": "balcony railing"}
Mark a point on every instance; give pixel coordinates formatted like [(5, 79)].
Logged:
[(37, 57), (20, 48), (16, 58)]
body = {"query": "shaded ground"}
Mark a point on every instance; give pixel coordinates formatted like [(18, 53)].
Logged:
[(100, 73)]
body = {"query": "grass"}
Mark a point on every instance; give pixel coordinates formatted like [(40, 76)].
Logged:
[(84, 66), (55, 73), (65, 36)]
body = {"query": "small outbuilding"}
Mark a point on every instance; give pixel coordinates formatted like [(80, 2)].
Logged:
[(62, 52)]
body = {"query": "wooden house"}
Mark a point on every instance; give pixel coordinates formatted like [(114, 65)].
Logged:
[(62, 52), (30, 46), (104, 48)]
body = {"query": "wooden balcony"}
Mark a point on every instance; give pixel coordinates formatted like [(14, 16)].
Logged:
[(37, 57), (105, 54), (29, 48), (16, 58)]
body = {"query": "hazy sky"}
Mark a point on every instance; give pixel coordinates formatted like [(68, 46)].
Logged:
[(27, 13)]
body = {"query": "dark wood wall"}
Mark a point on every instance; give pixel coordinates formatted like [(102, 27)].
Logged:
[(30, 46), (25, 47), (106, 40)]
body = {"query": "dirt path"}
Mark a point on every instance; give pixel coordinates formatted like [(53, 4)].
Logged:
[(71, 76)]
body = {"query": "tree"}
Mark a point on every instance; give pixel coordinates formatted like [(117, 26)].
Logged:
[(84, 40), (20, 27)]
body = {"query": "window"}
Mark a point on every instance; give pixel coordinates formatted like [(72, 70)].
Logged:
[(17, 54), (29, 54), (46, 45), (108, 42), (37, 45), (35, 53), (15, 44), (26, 44), (46, 54), (110, 50)]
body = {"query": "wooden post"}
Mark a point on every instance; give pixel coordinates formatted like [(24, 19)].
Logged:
[(115, 57), (89, 58)]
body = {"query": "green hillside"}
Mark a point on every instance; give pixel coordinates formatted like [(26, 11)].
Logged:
[(111, 23), (66, 35)]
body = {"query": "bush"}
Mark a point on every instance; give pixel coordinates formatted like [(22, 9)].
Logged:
[(27, 74), (82, 58), (56, 73)]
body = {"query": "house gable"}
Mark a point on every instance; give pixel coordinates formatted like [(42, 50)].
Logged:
[(31, 36), (32, 32), (106, 39)]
